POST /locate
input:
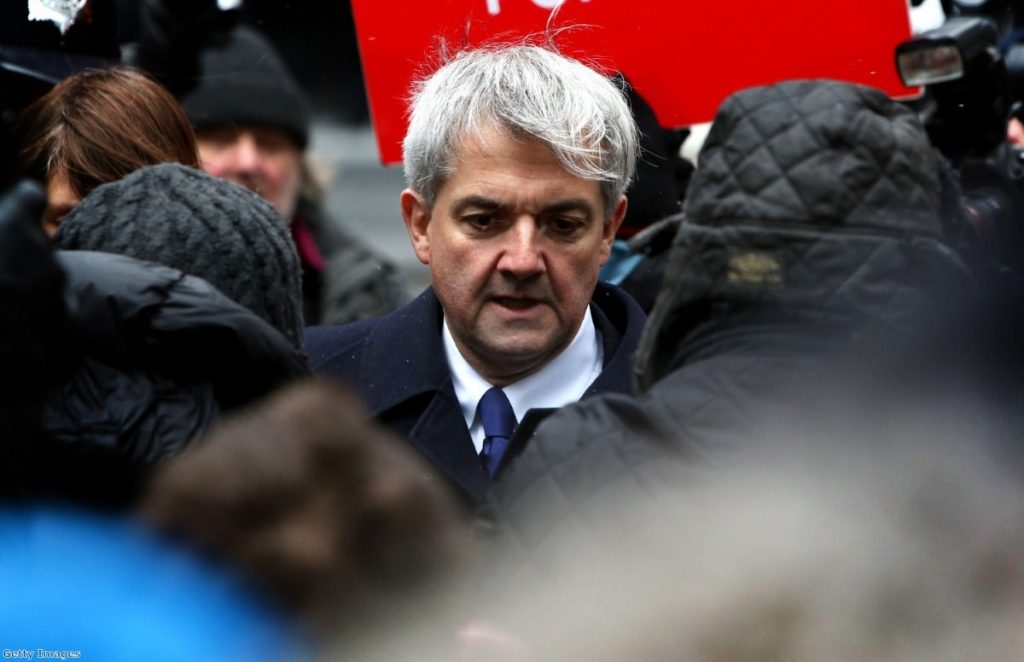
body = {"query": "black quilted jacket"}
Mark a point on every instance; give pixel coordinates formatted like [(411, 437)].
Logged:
[(818, 219), (156, 356)]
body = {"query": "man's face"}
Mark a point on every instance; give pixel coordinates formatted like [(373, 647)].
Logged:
[(263, 159), (514, 243)]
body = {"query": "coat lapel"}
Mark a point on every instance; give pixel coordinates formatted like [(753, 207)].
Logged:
[(407, 384), (441, 435), (405, 362), (404, 357)]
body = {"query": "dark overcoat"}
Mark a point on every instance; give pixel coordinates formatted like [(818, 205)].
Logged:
[(397, 364)]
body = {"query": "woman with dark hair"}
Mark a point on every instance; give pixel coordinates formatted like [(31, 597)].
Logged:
[(96, 127)]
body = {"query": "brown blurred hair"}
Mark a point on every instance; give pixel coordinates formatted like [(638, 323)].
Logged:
[(322, 508), (100, 125)]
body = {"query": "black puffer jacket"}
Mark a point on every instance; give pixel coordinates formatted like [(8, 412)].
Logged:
[(819, 219), (156, 356)]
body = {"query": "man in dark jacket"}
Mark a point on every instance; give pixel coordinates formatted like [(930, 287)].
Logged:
[(818, 220), (513, 203)]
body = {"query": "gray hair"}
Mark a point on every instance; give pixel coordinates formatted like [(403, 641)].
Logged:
[(530, 91)]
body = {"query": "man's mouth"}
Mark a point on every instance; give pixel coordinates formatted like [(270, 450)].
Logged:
[(515, 303)]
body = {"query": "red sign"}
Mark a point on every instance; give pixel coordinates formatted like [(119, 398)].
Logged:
[(683, 57)]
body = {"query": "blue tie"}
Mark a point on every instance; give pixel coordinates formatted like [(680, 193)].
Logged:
[(499, 421)]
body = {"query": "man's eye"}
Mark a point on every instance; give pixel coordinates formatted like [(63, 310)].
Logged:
[(272, 144), (479, 221), (565, 226)]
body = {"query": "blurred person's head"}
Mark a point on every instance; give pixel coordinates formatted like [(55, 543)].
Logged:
[(318, 506), (96, 127), (261, 158), (204, 226), (516, 163), (251, 118)]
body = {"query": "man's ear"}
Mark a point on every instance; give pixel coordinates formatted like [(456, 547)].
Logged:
[(417, 218), (611, 228)]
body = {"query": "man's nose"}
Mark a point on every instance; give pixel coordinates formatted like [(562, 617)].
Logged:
[(245, 153), (522, 255)]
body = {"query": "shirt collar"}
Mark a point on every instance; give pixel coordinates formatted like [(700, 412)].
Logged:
[(562, 380)]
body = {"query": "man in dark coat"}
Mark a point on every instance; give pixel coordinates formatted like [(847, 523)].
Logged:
[(513, 203), (820, 221)]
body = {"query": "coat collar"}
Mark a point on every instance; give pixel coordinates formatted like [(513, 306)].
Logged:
[(410, 339), (409, 342)]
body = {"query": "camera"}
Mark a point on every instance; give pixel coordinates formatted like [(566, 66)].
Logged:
[(972, 71)]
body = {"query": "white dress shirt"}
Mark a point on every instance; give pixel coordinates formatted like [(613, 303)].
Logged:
[(564, 379)]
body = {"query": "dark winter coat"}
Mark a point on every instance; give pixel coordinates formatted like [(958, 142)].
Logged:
[(397, 365), (818, 219), (155, 357), (343, 279)]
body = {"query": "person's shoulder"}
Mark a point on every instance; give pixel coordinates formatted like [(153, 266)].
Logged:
[(330, 348), (340, 350)]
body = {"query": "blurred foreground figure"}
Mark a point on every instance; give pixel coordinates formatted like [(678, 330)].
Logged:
[(819, 222), (327, 514), (902, 542), (880, 516), (95, 587)]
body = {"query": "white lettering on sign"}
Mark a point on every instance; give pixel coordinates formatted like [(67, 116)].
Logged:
[(494, 6)]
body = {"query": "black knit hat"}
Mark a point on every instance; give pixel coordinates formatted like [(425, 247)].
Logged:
[(243, 80), (202, 225)]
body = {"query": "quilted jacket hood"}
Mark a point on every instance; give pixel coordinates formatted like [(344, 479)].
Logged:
[(812, 200)]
